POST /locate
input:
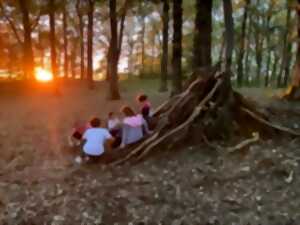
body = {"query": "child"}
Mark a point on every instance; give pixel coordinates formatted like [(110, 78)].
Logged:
[(78, 130), (95, 139), (145, 109), (133, 127), (113, 124), (114, 127), (145, 106)]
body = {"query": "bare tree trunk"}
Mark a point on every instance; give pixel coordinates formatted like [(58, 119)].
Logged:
[(90, 44), (81, 34), (52, 38), (202, 37), (122, 25), (288, 47), (177, 47), (287, 64), (229, 33), (165, 53), (119, 40), (258, 48), (28, 58), (113, 81), (296, 75), (73, 57), (66, 58), (267, 76), (143, 47), (285, 47), (274, 68), (130, 57), (240, 60), (248, 49)]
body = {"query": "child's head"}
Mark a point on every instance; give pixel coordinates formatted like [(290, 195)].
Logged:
[(95, 122), (142, 98), (127, 111), (111, 115)]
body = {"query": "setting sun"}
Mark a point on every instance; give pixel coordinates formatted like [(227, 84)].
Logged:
[(43, 75)]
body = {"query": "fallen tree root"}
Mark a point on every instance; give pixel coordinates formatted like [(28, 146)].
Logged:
[(155, 140), (235, 148), (206, 109), (244, 143), (269, 124)]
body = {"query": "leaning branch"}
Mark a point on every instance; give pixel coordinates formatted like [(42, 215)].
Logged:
[(269, 124), (11, 23)]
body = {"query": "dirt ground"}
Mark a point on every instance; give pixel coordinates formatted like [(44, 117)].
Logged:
[(39, 184)]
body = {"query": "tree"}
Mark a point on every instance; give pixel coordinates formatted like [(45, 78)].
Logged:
[(240, 59), (113, 62), (51, 8), (293, 91), (165, 53), (287, 48), (81, 35), (202, 36), (65, 33), (268, 44), (177, 47), (296, 76), (27, 45), (229, 33), (90, 44)]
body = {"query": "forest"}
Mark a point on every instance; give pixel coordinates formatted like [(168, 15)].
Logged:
[(149, 112)]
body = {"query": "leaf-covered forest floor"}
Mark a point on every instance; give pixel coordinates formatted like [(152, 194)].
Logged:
[(40, 184)]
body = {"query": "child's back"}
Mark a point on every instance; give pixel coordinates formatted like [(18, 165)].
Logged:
[(95, 141)]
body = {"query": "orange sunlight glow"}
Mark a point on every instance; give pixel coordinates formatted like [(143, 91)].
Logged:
[(43, 75)]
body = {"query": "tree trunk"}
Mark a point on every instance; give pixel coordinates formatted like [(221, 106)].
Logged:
[(293, 92), (202, 36), (274, 68), (130, 58), (113, 81), (296, 75), (119, 40), (177, 47), (122, 25), (52, 38), (229, 33), (142, 71), (287, 64), (258, 47), (90, 44), (165, 53), (28, 58), (288, 47), (73, 57), (248, 49), (240, 59), (81, 34), (66, 58), (267, 76), (285, 47)]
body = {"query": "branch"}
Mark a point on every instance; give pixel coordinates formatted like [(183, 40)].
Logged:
[(36, 21), (123, 16), (269, 124), (12, 25), (244, 143)]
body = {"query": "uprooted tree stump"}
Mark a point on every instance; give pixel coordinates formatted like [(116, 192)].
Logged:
[(207, 109)]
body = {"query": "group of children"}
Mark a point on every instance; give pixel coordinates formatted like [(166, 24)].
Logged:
[(94, 138)]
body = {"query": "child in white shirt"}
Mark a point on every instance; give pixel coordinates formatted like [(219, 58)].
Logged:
[(95, 139)]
